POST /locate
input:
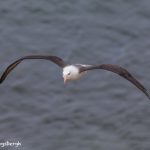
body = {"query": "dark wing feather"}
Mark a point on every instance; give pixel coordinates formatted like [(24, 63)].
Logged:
[(120, 71), (58, 61)]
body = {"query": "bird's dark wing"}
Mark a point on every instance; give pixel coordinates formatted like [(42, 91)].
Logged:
[(58, 61), (120, 71)]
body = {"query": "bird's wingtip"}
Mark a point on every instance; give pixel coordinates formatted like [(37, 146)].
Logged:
[(148, 94), (1, 81)]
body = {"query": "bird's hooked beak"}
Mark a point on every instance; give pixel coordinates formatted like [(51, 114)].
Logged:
[(65, 79)]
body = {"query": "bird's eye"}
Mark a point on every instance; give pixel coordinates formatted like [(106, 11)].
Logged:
[(68, 74)]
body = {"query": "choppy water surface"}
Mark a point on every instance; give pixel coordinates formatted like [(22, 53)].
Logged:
[(100, 112)]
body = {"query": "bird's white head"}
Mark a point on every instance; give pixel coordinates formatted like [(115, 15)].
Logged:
[(70, 73)]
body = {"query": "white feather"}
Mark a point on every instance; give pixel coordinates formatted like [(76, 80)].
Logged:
[(72, 72)]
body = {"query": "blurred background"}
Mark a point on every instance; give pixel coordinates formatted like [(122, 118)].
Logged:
[(102, 110)]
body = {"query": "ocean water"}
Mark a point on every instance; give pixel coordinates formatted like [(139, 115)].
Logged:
[(102, 111)]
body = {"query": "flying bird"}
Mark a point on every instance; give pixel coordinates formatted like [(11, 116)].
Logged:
[(76, 71)]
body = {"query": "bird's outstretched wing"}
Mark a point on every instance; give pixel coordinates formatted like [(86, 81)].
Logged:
[(120, 71), (58, 61)]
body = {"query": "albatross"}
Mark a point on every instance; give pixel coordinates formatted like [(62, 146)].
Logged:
[(76, 71)]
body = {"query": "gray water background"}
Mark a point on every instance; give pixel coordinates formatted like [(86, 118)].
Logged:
[(102, 111)]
